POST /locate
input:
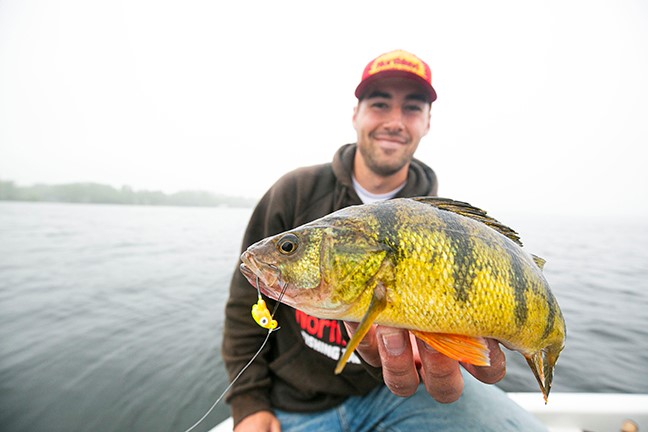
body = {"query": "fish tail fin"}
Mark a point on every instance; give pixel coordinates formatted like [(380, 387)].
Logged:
[(468, 349), (542, 365)]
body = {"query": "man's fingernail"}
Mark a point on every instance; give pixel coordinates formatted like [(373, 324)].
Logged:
[(394, 343), (428, 348)]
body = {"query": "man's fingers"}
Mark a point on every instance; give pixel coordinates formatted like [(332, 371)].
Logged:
[(398, 367), (497, 369), (390, 349), (405, 362), (368, 348), (441, 374)]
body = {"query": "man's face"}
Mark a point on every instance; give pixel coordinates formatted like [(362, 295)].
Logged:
[(390, 121)]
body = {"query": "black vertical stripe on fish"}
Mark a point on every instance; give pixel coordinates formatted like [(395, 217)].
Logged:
[(463, 272), (551, 317), (388, 228), (519, 285)]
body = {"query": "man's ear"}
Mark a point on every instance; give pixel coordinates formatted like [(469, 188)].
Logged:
[(355, 114), (429, 120)]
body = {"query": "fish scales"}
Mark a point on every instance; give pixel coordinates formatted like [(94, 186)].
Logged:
[(431, 265), (461, 263)]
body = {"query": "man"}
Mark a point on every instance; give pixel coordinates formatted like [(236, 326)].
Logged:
[(395, 382)]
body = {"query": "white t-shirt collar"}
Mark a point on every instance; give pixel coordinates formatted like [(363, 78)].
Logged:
[(367, 197)]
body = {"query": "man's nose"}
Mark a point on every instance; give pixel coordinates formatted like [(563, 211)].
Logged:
[(394, 122)]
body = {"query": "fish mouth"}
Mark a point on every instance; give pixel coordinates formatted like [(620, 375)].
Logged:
[(269, 281), (265, 277)]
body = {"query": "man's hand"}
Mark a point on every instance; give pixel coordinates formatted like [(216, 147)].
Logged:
[(404, 359), (262, 421)]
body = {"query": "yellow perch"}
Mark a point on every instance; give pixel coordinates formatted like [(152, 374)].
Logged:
[(441, 268)]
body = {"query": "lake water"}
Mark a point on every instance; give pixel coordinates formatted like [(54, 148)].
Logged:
[(111, 316)]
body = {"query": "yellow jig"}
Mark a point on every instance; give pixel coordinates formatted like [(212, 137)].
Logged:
[(262, 315)]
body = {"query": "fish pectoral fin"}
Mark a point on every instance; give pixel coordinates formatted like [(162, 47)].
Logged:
[(377, 304), (468, 349)]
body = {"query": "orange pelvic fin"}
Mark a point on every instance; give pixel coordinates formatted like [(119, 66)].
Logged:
[(467, 349)]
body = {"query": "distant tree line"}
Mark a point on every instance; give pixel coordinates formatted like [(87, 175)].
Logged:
[(104, 194)]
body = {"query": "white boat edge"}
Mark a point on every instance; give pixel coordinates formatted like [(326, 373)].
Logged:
[(569, 412)]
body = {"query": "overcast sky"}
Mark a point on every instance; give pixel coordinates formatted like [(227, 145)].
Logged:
[(543, 105)]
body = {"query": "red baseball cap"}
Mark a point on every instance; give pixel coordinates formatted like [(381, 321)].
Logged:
[(401, 64)]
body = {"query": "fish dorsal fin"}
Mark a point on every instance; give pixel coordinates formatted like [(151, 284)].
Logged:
[(467, 210), (540, 262)]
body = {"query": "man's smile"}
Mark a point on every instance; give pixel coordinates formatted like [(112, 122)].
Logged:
[(390, 142)]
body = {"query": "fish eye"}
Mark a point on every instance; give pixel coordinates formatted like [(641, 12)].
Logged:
[(287, 245), (263, 321)]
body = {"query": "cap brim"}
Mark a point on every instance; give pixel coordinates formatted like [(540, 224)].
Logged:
[(428, 90)]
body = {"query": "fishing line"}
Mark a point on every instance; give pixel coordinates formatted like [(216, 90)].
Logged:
[(232, 383), (261, 304), (281, 294)]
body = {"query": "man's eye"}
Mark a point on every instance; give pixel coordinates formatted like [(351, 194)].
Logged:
[(379, 105), (414, 108)]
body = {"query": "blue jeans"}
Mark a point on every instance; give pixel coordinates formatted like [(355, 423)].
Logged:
[(481, 408)]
